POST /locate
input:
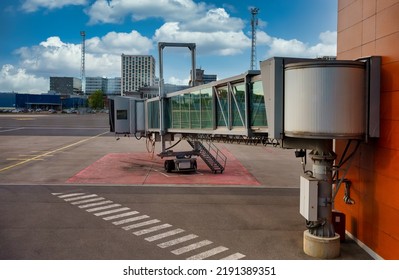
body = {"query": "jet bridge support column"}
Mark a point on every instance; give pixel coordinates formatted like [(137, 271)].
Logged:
[(320, 240), (162, 94)]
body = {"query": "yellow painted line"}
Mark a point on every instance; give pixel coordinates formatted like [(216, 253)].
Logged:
[(23, 159), (51, 152)]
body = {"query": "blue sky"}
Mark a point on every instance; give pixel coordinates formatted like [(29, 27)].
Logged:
[(41, 38)]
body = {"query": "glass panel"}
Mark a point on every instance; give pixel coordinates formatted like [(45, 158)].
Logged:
[(176, 113), (185, 100), (206, 108), (195, 110), (121, 114), (153, 114), (222, 112), (258, 109), (238, 106)]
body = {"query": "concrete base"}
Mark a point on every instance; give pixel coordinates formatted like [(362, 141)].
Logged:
[(321, 247)]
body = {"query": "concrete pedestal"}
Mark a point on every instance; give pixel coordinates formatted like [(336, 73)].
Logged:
[(321, 247)]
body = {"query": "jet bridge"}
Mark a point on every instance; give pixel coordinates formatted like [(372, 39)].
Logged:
[(293, 103), (230, 110)]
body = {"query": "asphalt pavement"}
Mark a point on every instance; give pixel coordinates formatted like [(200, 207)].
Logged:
[(38, 220)]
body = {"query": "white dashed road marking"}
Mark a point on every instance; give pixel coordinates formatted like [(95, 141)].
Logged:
[(120, 215), (151, 229), (177, 241), (125, 221), (191, 247), (165, 234), (130, 220)]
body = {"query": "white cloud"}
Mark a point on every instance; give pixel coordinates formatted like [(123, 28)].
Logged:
[(215, 43), (191, 16), (118, 43), (53, 57), (214, 20), (294, 47), (115, 11), (177, 81), (34, 5), (16, 79)]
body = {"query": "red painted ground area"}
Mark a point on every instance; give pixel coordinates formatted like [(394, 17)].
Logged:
[(140, 168)]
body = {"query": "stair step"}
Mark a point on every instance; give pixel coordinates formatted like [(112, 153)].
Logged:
[(208, 158)]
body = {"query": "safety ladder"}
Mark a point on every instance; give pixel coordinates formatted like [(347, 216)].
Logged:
[(211, 155)]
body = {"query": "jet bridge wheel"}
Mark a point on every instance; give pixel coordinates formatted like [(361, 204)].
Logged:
[(169, 165)]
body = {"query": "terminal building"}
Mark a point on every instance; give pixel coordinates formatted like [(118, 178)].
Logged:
[(366, 28)]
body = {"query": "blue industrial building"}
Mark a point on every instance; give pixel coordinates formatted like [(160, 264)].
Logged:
[(11, 100)]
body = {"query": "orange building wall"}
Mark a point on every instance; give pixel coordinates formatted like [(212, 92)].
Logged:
[(365, 28)]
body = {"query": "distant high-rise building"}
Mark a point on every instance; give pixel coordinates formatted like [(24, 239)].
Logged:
[(109, 86), (66, 85), (113, 86), (95, 83), (202, 78), (137, 71)]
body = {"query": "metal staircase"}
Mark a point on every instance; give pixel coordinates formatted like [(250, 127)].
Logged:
[(211, 155)]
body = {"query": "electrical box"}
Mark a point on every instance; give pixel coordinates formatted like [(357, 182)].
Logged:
[(308, 198)]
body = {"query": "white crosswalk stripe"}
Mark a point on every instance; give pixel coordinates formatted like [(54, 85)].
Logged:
[(80, 197), (164, 235), (177, 241), (87, 200), (99, 206), (125, 221), (70, 195), (102, 208), (191, 247), (95, 204), (112, 211), (208, 253), (235, 256), (151, 229), (150, 222), (127, 214)]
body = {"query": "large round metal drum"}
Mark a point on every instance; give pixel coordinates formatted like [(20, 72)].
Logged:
[(325, 99)]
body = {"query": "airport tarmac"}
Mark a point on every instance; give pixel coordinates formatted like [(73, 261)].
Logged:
[(63, 153)]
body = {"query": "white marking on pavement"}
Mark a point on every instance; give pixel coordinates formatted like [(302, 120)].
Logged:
[(70, 195), (150, 222), (87, 200), (235, 256), (84, 200), (102, 208), (191, 247), (164, 235), (120, 215), (177, 241), (151, 229), (95, 204), (112, 211), (208, 253), (80, 197), (125, 221), (12, 129)]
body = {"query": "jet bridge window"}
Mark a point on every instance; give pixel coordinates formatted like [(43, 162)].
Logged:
[(121, 114), (258, 109)]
